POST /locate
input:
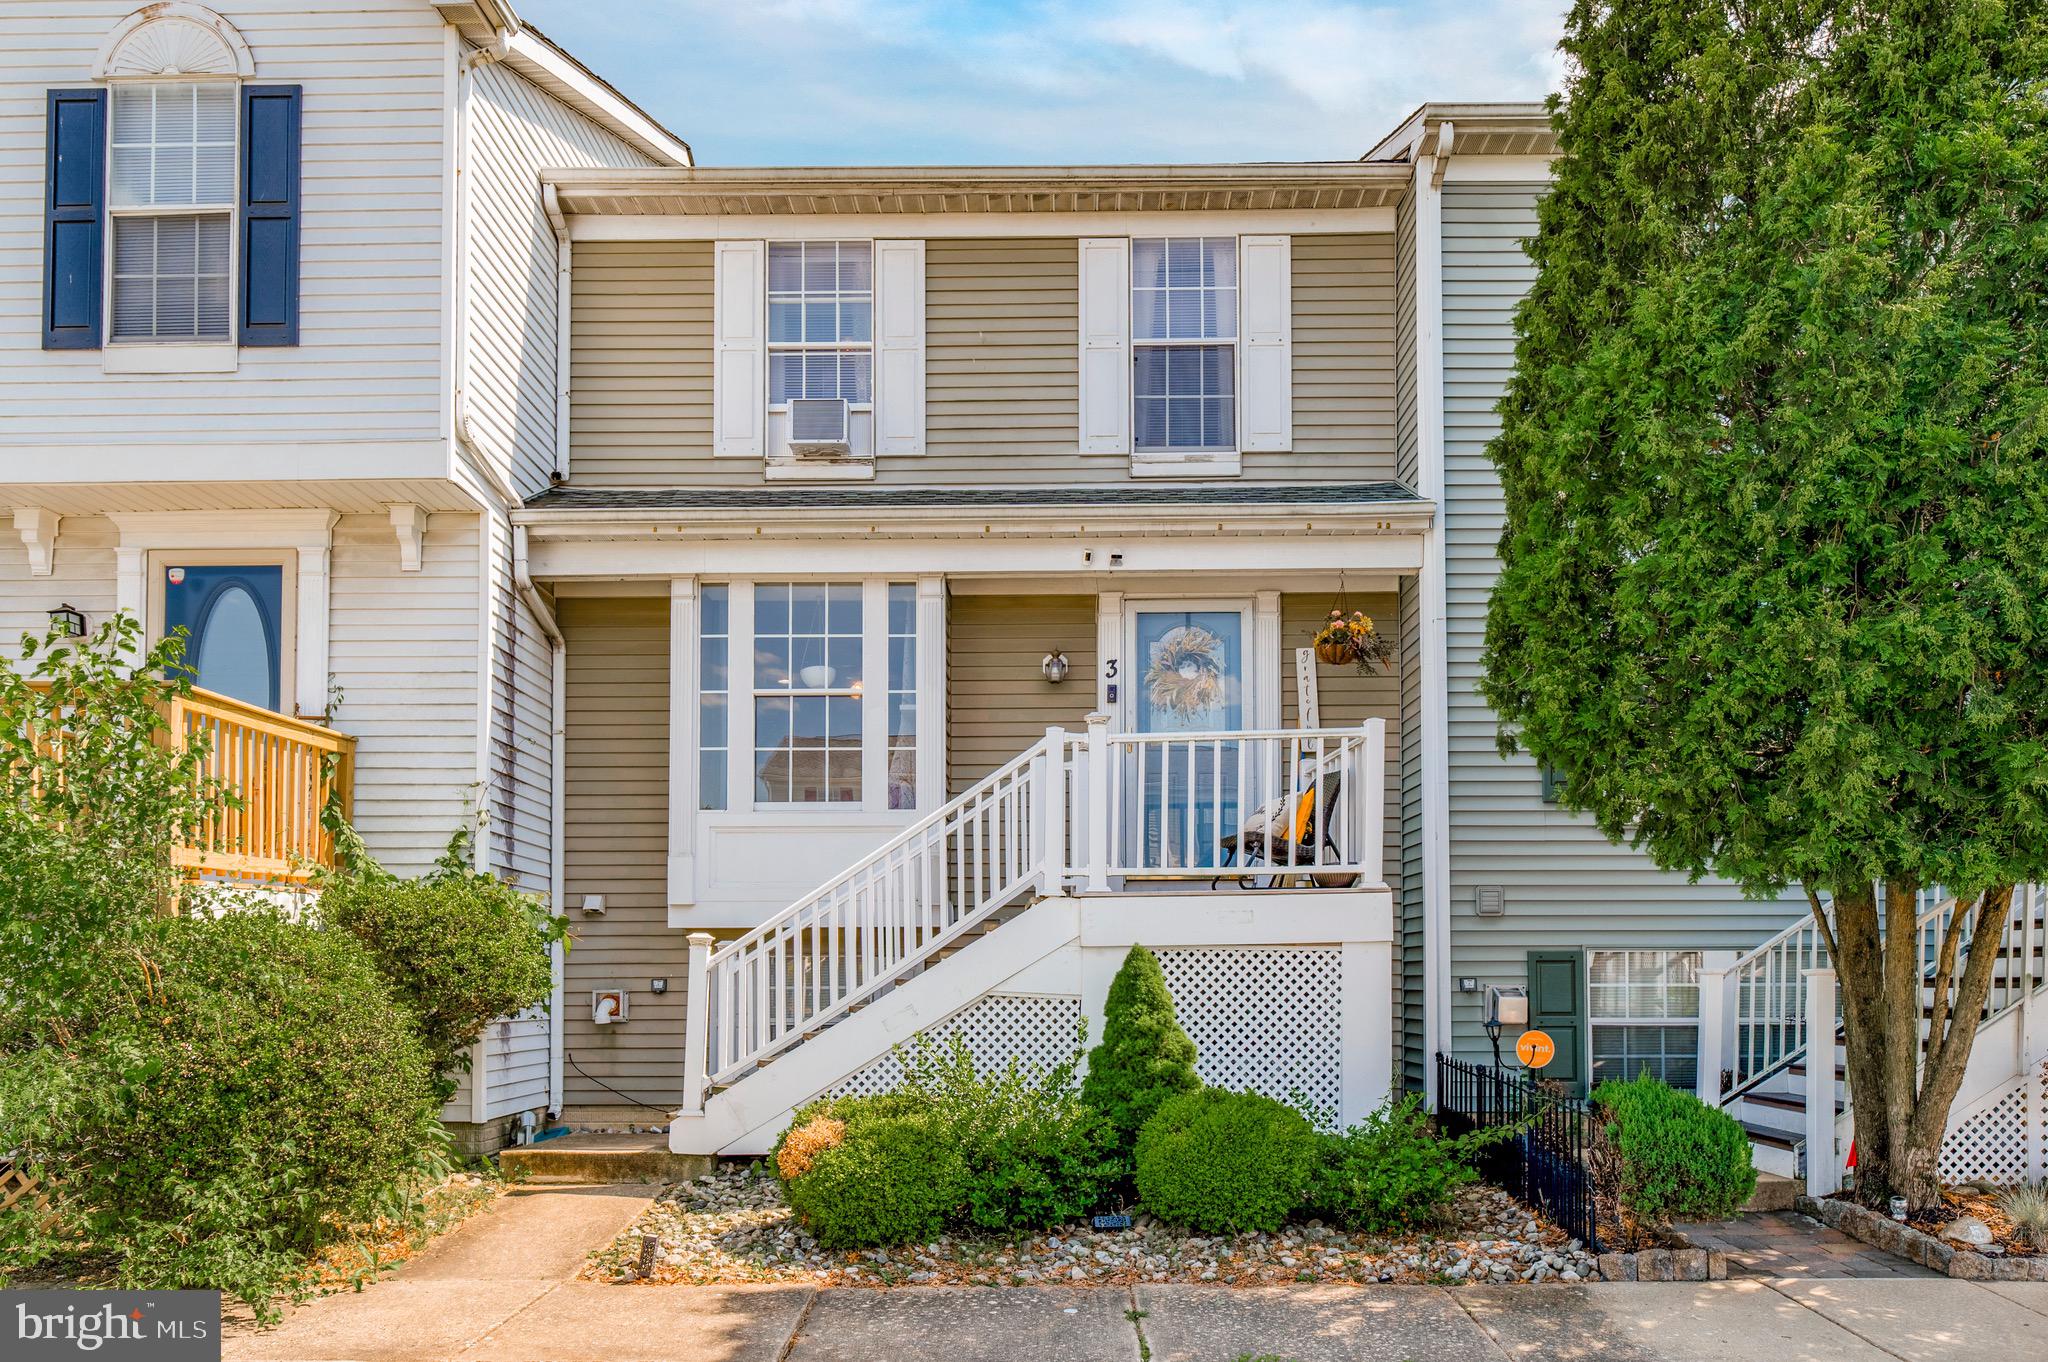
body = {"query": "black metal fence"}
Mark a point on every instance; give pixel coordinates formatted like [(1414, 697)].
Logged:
[(1544, 1163)]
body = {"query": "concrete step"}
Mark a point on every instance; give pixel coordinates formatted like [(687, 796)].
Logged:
[(589, 1159), (1773, 1193)]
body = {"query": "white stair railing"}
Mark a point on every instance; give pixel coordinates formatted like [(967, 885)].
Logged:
[(871, 925), (1767, 994)]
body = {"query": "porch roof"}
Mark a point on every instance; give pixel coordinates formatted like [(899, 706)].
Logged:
[(831, 498)]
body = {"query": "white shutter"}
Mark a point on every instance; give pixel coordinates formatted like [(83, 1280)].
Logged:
[(739, 362), (899, 347), (1266, 331), (1105, 345)]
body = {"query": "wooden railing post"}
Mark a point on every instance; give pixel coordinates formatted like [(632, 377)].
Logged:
[(1823, 1163), (1098, 803), (1374, 778), (697, 1024)]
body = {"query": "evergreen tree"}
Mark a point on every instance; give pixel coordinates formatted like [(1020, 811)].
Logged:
[(1144, 1057), (1774, 589)]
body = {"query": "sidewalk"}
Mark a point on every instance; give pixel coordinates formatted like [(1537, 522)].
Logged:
[(500, 1289)]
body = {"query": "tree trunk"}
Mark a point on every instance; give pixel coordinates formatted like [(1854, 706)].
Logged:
[(1901, 1089)]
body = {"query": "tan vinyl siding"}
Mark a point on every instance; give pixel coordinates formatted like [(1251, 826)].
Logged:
[(997, 701), (1343, 318), (640, 369), (1002, 327), (1346, 697), (615, 843)]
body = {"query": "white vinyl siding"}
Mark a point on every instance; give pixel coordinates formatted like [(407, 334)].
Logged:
[(82, 576), (362, 391), (510, 275)]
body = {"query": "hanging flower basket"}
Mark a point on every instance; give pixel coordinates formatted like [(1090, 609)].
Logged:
[(1349, 637)]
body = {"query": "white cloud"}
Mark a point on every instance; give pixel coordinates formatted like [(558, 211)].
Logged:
[(882, 81)]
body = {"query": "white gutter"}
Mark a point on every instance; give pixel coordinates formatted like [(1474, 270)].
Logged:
[(564, 262), (522, 578)]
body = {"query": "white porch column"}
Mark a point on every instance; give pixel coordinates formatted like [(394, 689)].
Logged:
[(931, 693), (1433, 664), (131, 586), (1823, 1160), (1717, 1022), (1367, 1035), (682, 741), (310, 690), (697, 1024), (1098, 803), (1269, 668), (1111, 668)]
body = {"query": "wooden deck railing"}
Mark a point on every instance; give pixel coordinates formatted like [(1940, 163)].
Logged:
[(282, 772)]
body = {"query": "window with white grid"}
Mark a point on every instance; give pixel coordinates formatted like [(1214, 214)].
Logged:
[(902, 695), (1644, 1012), (1183, 343), (714, 644), (821, 320), (171, 177), (807, 692)]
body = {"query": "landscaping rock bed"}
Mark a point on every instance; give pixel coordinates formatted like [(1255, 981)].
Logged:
[(1897, 1236), (732, 1226)]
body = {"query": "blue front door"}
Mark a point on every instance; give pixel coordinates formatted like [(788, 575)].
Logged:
[(233, 618)]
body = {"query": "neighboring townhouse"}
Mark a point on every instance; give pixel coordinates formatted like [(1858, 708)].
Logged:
[(278, 355), (864, 600)]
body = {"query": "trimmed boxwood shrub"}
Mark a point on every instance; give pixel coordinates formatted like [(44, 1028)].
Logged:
[(1680, 1158), (1221, 1162), (248, 1084), (1144, 1057), (891, 1180)]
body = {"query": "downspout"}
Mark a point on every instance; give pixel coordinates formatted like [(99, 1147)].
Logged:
[(564, 262), (558, 693)]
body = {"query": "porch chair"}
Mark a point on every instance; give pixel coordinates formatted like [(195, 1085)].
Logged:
[(1294, 841)]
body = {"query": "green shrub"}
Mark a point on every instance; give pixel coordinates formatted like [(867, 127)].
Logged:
[(1680, 1158), (459, 950), (1032, 1153), (1145, 1057), (1391, 1171), (851, 1111), (249, 1084), (1220, 1162), (894, 1180)]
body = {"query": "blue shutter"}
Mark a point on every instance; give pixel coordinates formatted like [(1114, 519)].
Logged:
[(75, 216), (270, 215)]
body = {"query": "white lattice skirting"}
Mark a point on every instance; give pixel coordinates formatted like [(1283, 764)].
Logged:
[(1266, 1019), (1036, 1030), (1992, 1145)]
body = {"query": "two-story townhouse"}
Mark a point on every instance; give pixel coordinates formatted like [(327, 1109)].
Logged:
[(935, 557), (279, 294)]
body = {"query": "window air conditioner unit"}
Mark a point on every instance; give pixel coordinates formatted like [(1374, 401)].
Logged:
[(817, 427)]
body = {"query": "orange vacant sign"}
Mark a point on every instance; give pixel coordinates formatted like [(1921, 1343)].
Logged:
[(1535, 1049)]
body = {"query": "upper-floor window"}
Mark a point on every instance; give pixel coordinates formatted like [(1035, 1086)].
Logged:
[(171, 207), (1183, 343), (821, 318), (171, 176)]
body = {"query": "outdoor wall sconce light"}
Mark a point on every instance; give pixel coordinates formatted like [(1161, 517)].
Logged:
[(1505, 1007), (68, 620), (1055, 666)]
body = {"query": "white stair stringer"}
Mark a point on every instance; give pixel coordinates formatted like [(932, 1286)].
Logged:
[(745, 1119)]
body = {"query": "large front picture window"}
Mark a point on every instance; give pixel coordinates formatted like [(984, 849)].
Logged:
[(1183, 343), (807, 692), (172, 179)]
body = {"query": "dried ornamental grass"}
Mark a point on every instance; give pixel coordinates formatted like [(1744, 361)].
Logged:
[(2027, 1208), (806, 1142)]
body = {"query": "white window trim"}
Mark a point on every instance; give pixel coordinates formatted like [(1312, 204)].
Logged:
[(304, 540), (771, 346), (160, 356)]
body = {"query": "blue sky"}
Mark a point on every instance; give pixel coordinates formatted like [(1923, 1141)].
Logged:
[(921, 82)]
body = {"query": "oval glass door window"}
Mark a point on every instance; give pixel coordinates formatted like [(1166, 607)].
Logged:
[(231, 616)]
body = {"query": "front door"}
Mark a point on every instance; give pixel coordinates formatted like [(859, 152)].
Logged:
[(232, 615), (1557, 1005), (1189, 679)]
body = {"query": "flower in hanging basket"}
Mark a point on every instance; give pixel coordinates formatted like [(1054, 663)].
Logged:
[(1352, 638)]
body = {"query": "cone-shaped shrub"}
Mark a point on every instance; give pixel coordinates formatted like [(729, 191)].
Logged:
[(1144, 1057)]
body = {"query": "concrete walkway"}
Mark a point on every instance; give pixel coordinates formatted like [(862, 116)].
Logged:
[(1788, 1244), (499, 1289)]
